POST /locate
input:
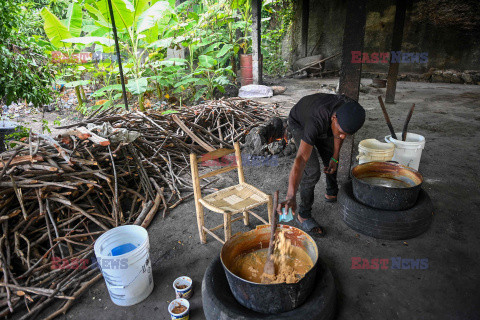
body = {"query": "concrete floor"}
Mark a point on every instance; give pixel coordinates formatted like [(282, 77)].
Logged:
[(447, 115)]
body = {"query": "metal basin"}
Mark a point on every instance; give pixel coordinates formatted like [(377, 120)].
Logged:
[(268, 298), (386, 185)]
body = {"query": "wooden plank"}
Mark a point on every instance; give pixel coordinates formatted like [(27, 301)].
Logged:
[(397, 38), (153, 211), (23, 160), (192, 135), (313, 64), (215, 154), (93, 137), (218, 171), (350, 73)]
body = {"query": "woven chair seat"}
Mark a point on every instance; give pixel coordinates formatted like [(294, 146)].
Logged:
[(234, 199)]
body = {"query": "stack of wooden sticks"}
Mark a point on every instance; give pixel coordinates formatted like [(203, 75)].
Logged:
[(57, 195)]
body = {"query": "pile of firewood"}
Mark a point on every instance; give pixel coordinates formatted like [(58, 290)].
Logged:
[(58, 195)]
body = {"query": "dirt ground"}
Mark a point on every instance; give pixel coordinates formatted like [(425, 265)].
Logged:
[(447, 115)]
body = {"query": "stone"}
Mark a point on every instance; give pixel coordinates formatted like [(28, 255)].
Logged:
[(276, 147), (278, 90), (456, 78), (254, 141), (467, 78), (255, 91), (426, 76), (437, 78)]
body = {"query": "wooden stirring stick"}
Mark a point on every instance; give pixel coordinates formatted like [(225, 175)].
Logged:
[(405, 126), (269, 268), (387, 118)]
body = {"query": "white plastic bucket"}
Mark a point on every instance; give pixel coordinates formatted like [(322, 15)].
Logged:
[(408, 152), (128, 275), (374, 150)]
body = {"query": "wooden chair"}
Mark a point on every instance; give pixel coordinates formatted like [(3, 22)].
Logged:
[(236, 199)]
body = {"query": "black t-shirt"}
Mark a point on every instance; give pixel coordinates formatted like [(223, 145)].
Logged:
[(313, 115)]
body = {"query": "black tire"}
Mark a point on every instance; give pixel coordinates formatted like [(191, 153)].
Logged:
[(220, 304), (385, 224)]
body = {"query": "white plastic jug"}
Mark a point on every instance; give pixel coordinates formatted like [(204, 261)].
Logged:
[(123, 256), (408, 152), (374, 150)]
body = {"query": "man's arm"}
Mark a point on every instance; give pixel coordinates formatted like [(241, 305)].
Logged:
[(337, 145), (303, 154)]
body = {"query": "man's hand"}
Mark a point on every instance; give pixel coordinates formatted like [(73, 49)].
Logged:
[(289, 203), (332, 167)]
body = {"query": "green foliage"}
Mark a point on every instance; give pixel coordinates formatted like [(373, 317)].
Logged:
[(279, 14), (74, 19), (206, 30), (55, 29), (20, 133), (137, 86), (24, 70)]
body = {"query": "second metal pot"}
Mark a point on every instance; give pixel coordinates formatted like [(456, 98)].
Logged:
[(386, 185)]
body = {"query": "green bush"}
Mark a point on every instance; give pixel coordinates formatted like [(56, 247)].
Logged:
[(24, 70)]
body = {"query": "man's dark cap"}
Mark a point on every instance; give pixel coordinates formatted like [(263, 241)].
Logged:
[(350, 116)]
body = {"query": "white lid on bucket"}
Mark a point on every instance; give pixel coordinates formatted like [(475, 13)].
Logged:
[(375, 145)]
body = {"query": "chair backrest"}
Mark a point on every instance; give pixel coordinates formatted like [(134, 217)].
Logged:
[(214, 155)]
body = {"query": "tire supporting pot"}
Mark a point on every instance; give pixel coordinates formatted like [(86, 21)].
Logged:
[(385, 224), (219, 303)]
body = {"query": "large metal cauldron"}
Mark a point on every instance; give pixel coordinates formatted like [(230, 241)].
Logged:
[(386, 185), (268, 298)]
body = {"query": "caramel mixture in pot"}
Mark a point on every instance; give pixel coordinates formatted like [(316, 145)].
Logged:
[(291, 263)]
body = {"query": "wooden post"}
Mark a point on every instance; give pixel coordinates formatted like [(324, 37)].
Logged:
[(238, 159), (227, 223), (397, 38), (241, 177), (197, 195), (246, 218), (304, 31), (350, 73), (271, 210), (256, 41)]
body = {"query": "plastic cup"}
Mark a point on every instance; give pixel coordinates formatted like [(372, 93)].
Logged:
[(179, 316), (186, 292)]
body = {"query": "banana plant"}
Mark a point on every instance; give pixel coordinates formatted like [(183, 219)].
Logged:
[(137, 24), (57, 30), (245, 9)]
